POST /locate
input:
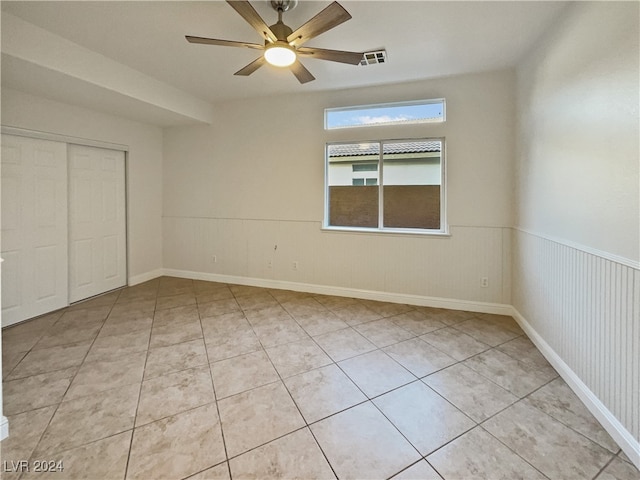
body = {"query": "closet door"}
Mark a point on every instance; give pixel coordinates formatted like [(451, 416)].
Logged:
[(97, 221), (33, 223)]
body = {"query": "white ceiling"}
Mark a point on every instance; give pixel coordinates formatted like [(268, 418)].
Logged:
[(423, 39)]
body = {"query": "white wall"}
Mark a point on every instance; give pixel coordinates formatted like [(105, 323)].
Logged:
[(255, 178), (579, 123), (577, 246), (144, 164)]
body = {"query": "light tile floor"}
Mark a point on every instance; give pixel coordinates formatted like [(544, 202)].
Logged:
[(189, 379)]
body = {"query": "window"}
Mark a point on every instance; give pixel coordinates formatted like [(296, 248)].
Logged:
[(395, 185), (400, 113), (364, 181), (365, 167)]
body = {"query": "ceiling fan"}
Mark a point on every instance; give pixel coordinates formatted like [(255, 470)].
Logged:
[(282, 45)]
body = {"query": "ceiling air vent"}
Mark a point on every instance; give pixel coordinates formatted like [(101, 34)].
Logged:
[(372, 58)]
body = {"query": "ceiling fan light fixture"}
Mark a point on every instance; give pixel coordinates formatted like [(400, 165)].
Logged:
[(280, 54)]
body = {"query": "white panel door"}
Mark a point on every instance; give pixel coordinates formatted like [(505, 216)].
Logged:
[(33, 227), (97, 221)]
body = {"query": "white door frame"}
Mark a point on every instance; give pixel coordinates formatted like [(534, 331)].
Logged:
[(23, 132)]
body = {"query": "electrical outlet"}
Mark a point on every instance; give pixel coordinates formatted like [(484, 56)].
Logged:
[(214, 259), (295, 265), (270, 264), (484, 282)]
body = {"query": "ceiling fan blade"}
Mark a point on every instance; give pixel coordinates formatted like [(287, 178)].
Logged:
[(330, 17), (352, 58), (246, 11), (223, 43), (302, 74), (252, 67)]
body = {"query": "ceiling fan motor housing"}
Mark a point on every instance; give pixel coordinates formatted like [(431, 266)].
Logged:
[(283, 5), (281, 31)]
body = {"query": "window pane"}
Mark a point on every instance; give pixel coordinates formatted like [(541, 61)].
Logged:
[(353, 201), (412, 176), (423, 111), (365, 167)]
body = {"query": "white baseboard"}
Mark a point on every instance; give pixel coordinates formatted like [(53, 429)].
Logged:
[(611, 424), (145, 277), (437, 302), (4, 428)]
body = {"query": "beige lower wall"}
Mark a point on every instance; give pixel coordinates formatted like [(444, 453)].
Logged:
[(586, 308), (447, 267)]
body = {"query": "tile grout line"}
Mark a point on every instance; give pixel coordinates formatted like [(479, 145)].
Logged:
[(57, 406), (562, 422), (281, 380), (307, 426), (26, 352), (424, 457), (146, 358), (215, 397), (370, 400), (410, 466), (604, 467), (511, 449), (521, 399)]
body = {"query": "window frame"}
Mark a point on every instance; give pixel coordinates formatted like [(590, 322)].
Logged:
[(430, 101), (444, 225)]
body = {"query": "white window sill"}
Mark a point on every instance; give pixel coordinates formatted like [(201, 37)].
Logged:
[(387, 231)]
